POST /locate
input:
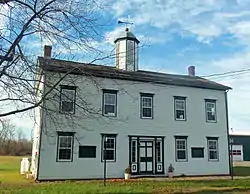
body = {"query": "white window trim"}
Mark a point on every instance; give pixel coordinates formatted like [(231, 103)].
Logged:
[(217, 151), (69, 100), (215, 114), (103, 149), (181, 160), (184, 102), (151, 107), (60, 148), (115, 104)]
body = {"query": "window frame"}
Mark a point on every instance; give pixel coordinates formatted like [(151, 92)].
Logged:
[(210, 101), (59, 136), (111, 136), (146, 96), (213, 139), (183, 99), (181, 138), (110, 92), (67, 87)]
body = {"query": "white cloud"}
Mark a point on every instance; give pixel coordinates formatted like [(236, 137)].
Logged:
[(206, 19)]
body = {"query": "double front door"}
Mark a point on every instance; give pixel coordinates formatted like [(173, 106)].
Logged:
[(146, 155)]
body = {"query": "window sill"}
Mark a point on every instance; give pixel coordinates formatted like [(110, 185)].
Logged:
[(147, 118), (109, 115), (213, 160), (182, 160), (70, 113), (211, 121), (65, 160), (180, 119), (109, 161)]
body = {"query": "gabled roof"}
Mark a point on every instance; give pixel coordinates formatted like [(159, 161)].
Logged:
[(56, 65)]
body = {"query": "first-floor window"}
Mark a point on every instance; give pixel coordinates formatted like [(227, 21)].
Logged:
[(181, 148), (109, 147), (213, 154), (65, 146)]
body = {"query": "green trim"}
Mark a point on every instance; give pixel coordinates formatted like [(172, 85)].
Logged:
[(127, 38), (227, 124)]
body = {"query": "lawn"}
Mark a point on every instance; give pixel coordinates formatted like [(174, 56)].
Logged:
[(12, 182)]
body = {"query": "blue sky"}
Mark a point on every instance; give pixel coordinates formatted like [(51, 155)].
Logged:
[(213, 35)]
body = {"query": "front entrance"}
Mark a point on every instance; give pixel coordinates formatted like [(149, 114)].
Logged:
[(146, 155)]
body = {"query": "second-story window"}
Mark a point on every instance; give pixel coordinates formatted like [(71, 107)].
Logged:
[(210, 110), (146, 106), (67, 99), (109, 103), (180, 108)]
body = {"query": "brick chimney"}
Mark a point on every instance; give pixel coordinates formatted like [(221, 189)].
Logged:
[(47, 51), (191, 70)]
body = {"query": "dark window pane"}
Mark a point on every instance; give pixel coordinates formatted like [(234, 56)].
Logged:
[(109, 109), (181, 154), (213, 155), (67, 106), (197, 153), (65, 141), (180, 114), (133, 151), (87, 151), (147, 112), (109, 154), (210, 116), (158, 151), (64, 154)]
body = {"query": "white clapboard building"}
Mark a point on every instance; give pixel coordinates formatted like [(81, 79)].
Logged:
[(128, 117)]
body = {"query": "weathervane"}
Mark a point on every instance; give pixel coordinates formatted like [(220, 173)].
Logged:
[(126, 23)]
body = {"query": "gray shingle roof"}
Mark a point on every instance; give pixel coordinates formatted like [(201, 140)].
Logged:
[(56, 65)]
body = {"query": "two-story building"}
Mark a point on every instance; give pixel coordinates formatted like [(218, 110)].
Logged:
[(128, 117)]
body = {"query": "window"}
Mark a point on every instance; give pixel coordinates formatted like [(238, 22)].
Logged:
[(147, 106), (133, 152), (213, 154), (158, 151), (87, 151), (180, 108), (65, 146), (109, 102), (197, 152), (109, 147), (67, 99), (181, 148), (210, 110)]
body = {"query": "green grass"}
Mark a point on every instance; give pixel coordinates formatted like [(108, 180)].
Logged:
[(12, 182)]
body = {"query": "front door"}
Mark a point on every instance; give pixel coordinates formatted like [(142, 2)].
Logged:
[(146, 157)]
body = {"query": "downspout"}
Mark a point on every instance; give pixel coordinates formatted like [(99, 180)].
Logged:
[(228, 138)]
